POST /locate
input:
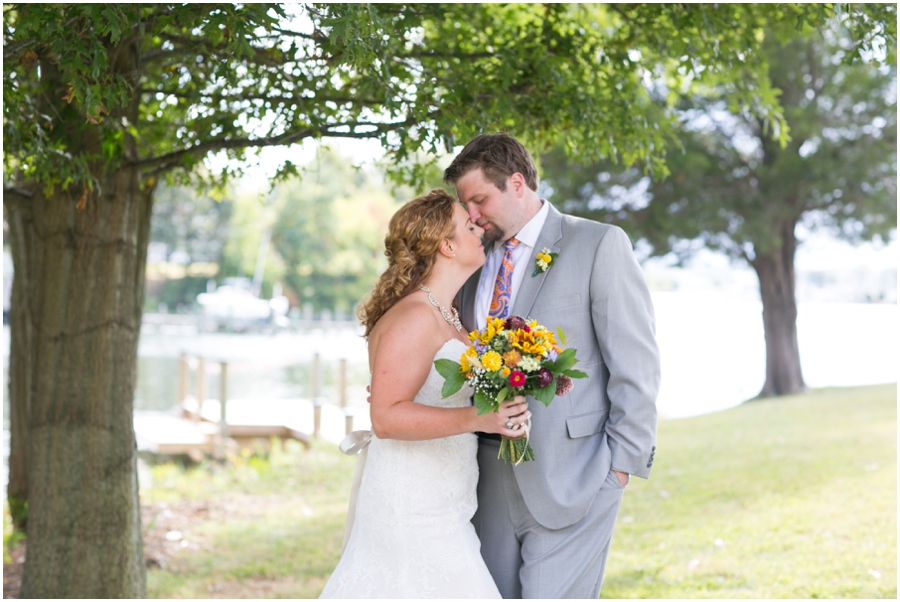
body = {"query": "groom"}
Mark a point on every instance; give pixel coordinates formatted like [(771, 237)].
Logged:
[(546, 526)]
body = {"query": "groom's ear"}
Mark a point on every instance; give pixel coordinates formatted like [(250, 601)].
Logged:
[(516, 183)]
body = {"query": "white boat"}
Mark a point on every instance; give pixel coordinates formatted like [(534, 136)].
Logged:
[(233, 304)]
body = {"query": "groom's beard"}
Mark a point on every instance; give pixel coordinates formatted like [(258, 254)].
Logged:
[(491, 233)]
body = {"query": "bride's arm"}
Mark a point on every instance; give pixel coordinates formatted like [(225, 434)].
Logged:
[(403, 357)]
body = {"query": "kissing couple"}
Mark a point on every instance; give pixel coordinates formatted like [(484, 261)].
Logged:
[(437, 515)]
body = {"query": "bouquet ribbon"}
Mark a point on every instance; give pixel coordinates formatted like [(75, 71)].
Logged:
[(526, 426), (356, 443)]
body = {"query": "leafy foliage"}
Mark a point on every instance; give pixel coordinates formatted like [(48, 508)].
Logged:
[(329, 230), (190, 223), (731, 185), (419, 77)]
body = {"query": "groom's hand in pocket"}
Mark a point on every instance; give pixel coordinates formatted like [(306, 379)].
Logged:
[(622, 476)]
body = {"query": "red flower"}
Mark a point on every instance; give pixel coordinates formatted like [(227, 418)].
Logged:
[(515, 323), (517, 379)]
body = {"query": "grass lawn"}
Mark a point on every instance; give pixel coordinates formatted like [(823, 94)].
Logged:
[(787, 498)]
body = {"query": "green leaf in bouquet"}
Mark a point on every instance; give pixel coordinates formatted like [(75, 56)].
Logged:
[(454, 379), (561, 334), (503, 394), (447, 368), (484, 403), (453, 384), (575, 374), (545, 394), (565, 360)]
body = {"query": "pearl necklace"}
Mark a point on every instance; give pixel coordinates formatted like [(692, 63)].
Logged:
[(451, 316)]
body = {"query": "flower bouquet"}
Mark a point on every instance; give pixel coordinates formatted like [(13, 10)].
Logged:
[(512, 357)]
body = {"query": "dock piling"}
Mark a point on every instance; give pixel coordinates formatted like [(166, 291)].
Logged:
[(200, 385)]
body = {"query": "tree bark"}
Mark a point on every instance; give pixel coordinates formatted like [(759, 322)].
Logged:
[(775, 269), (80, 274), (20, 389), (83, 281)]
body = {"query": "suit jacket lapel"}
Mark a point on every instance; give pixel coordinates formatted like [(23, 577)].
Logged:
[(550, 236), (467, 301)]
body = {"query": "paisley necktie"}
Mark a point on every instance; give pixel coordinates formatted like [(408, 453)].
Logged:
[(503, 286)]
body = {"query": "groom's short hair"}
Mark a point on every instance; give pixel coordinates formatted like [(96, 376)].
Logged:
[(498, 155)]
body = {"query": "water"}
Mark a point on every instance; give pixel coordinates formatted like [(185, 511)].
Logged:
[(712, 348), (711, 345), (275, 366)]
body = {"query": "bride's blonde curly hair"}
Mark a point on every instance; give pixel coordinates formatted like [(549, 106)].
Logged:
[(414, 236)]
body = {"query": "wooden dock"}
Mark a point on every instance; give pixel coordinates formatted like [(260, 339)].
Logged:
[(197, 426), (250, 423)]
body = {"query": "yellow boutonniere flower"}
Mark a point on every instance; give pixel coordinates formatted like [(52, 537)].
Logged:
[(543, 261)]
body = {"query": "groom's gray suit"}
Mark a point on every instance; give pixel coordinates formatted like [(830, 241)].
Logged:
[(546, 525)]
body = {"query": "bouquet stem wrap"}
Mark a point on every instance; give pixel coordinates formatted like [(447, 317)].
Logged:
[(517, 450)]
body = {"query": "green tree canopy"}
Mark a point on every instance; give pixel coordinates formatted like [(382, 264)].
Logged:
[(733, 189)]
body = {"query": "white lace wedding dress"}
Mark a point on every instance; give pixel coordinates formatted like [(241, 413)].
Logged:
[(412, 536)]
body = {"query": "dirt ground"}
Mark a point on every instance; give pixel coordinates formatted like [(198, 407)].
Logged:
[(168, 530)]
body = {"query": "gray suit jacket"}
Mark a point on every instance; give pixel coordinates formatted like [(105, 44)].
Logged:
[(596, 292)]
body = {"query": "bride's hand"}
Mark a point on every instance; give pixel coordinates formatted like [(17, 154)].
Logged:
[(513, 411)]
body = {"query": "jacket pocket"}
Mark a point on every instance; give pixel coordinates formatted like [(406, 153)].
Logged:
[(559, 302), (586, 424)]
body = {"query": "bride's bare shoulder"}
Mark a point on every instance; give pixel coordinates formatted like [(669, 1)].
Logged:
[(409, 322)]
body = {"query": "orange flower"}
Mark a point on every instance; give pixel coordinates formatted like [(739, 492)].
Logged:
[(511, 358)]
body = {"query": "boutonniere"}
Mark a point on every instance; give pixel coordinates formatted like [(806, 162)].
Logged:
[(543, 261)]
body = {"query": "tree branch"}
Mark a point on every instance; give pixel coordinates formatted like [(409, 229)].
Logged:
[(171, 160), (273, 98), (12, 194)]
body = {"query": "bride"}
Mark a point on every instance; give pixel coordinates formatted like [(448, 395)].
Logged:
[(412, 536)]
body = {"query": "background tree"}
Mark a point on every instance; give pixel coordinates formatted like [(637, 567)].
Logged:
[(329, 232), (735, 190), (101, 100), (195, 226)]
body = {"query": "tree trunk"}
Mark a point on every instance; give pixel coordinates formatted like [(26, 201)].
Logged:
[(19, 397), (775, 269), (82, 278)]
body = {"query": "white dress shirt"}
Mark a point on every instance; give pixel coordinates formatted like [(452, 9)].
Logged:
[(523, 262)]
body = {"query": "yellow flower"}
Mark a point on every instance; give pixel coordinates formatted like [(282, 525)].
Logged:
[(472, 352), (492, 361), (534, 348), (494, 326), (464, 366), (506, 371)]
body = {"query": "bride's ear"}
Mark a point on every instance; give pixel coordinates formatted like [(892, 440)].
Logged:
[(447, 249)]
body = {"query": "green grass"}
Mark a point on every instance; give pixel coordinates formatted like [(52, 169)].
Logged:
[(276, 530), (787, 498)]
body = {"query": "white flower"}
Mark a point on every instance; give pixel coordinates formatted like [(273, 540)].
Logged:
[(529, 364)]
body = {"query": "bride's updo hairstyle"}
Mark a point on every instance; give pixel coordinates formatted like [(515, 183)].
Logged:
[(414, 236)]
